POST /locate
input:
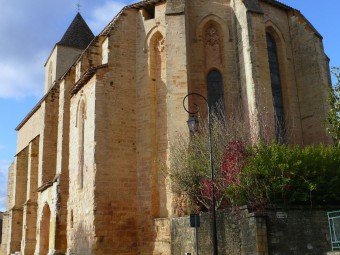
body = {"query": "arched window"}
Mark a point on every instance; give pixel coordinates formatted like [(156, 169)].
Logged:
[(276, 89), (81, 146), (215, 92), (159, 133)]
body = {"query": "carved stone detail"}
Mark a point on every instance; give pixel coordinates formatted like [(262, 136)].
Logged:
[(160, 45), (211, 36)]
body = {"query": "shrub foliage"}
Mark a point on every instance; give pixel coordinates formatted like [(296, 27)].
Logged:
[(282, 174), (257, 176), (333, 117)]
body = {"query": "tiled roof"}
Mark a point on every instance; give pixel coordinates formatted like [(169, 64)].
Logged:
[(78, 34)]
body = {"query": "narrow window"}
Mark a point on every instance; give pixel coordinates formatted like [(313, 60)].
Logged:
[(276, 89), (215, 93), (78, 71), (50, 75), (105, 51), (81, 148), (159, 133), (71, 220)]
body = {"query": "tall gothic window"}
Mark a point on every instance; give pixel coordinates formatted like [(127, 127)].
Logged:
[(276, 89), (159, 131), (215, 92), (81, 146)]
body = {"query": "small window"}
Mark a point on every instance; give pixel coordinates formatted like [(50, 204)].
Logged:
[(78, 71), (71, 220), (105, 51), (149, 12)]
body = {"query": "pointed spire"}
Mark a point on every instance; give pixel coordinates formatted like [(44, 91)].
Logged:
[(78, 34)]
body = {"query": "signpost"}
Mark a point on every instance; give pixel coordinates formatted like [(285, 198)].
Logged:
[(195, 223)]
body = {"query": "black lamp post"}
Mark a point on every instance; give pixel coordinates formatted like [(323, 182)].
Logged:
[(193, 127)]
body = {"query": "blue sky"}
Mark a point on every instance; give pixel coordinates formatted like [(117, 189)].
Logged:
[(29, 30)]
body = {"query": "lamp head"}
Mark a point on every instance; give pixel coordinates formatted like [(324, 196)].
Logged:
[(193, 123)]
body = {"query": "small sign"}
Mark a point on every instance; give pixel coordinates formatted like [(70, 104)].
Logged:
[(194, 220), (281, 215)]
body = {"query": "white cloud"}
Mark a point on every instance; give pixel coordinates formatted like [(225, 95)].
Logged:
[(4, 165), (103, 14), (22, 79)]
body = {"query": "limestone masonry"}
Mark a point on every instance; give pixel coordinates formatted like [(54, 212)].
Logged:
[(87, 177)]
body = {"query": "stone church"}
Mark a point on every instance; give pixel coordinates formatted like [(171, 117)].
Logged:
[(87, 176)]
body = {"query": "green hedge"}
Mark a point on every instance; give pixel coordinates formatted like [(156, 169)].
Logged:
[(281, 174)]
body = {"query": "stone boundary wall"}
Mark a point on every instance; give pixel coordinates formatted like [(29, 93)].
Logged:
[(278, 232)]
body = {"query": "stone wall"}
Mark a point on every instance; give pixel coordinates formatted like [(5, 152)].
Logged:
[(115, 173), (311, 79), (298, 231), (278, 232)]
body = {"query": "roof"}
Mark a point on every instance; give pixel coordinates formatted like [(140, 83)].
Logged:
[(296, 12), (78, 34), (85, 78), (278, 4), (145, 3), (137, 5), (37, 106)]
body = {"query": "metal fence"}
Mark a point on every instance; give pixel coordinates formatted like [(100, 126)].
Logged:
[(334, 229)]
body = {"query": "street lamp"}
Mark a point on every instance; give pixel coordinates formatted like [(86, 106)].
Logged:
[(193, 126), (193, 123)]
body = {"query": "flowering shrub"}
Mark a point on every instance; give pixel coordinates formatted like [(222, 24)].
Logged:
[(233, 161)]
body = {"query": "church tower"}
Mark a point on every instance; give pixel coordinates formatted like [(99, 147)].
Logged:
[(76, 38)]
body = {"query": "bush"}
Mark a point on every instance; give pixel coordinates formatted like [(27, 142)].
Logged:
[(333, 117), (260, 175), (281, 174)]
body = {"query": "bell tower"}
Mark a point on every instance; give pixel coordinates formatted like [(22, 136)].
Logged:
[(76, 38)]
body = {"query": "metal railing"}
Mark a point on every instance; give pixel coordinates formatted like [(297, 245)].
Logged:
[(334, 229)]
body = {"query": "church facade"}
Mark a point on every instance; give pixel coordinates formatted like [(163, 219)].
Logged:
[(87, 177)]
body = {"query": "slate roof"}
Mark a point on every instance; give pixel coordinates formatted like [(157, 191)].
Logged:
[(78, 34)]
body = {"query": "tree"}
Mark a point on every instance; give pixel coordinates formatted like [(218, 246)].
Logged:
[(333, 118)]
